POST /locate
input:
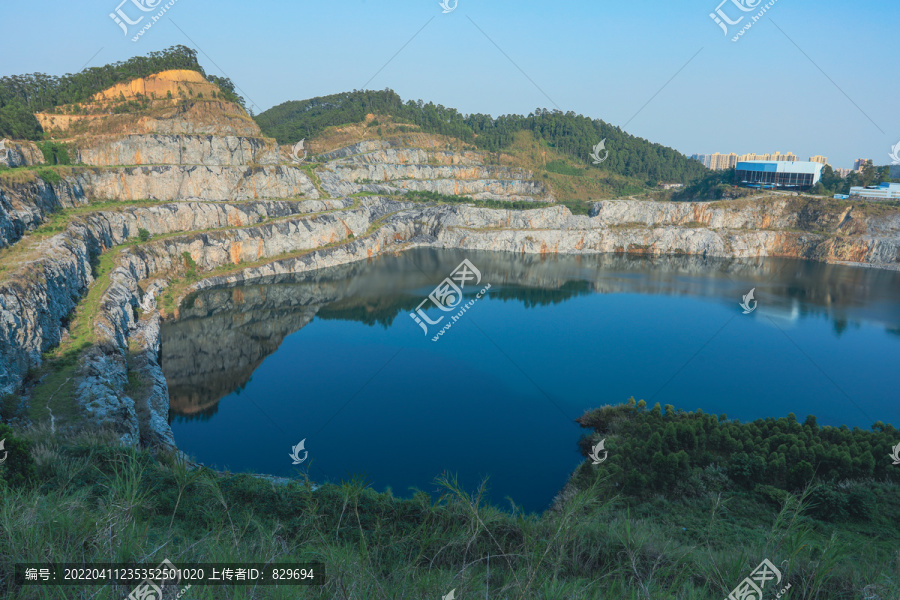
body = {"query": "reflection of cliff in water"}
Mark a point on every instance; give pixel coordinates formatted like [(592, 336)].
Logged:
[(222, 335)]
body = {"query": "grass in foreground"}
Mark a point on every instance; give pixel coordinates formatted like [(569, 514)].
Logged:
[(84, 499)]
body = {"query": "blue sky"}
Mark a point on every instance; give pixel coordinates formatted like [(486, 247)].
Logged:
[(812, 78)]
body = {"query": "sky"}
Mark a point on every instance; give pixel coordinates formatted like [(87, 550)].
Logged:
[(810, 78)]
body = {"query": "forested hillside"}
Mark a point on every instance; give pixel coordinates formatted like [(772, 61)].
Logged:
[(23, 95), (570, 134)]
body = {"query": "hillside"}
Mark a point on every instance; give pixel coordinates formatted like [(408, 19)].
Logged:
[(23, 95), (570, 135)]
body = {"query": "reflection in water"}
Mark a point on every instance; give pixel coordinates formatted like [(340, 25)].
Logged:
[(223, 335)]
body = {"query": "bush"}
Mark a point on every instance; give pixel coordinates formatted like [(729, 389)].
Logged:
[(190, 265), (54, 153), (9, 406), (835, 502), (143, 235), (49, 176), (18, 467)]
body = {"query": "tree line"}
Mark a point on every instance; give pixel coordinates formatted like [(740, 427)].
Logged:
[(23, 95), (831, 182), (571, 134)]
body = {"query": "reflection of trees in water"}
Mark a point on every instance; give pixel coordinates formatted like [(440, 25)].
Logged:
[(369, 311), (532, 297), (224, 334)]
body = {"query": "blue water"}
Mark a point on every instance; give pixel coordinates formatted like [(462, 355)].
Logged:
[(496, 396)]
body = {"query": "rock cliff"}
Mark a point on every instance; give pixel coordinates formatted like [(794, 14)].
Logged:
[(19, 154)]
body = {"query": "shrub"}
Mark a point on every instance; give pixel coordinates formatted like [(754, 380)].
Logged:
[(55, 153), (190, 265), (9, 406), (18, 468), (49, 176), (143, 235)]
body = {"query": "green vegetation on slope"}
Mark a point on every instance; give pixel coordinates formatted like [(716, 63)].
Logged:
[(81, 499), (571, 134), (654, 451), (23, 95)]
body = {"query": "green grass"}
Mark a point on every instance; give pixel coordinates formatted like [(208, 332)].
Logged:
[(563, 168), (54, 393), (50, 176), (54, 379), (89, 501)]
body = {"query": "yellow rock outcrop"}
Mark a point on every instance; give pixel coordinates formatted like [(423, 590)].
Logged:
[(160, 84)]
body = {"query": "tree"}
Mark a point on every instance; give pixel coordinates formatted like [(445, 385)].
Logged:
[(18, 123)]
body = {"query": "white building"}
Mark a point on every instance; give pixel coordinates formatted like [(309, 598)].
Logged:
[(885, 191)]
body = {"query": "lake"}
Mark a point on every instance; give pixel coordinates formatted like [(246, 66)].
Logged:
[(334, 358)]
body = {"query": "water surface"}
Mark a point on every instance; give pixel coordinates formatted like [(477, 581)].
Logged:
[(334, 358)]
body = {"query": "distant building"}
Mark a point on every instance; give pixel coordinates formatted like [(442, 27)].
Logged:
[(819, 159), (721, 162), (885, 191), (669, 186), (859, 163), (843, 172), (841, 197), (778, 174), (702, 158), (787, 157)]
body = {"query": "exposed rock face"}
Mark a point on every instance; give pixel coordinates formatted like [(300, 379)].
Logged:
[(174, 81), (19, 154), (39, 295), (371, 166), (178, 102), (215, 183), (250, 244), (25, 205), (211, 150)]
